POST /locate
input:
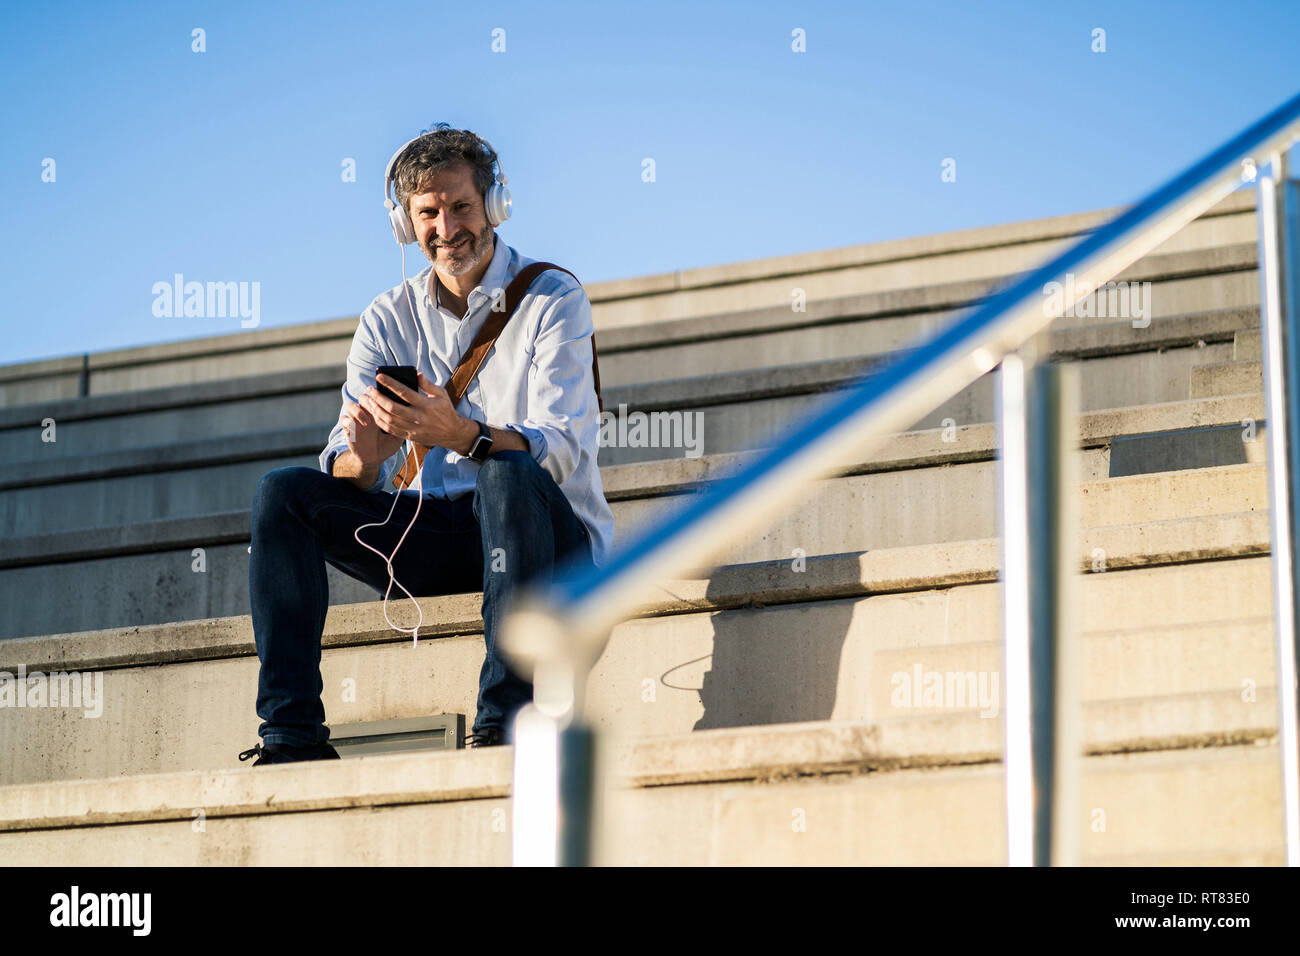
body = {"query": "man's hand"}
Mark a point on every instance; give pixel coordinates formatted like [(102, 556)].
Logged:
[(428, 420), (365, 439)]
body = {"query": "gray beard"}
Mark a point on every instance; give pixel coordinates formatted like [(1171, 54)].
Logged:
[(478, 248)]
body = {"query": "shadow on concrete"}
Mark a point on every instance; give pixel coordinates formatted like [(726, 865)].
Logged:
[(770, 665)]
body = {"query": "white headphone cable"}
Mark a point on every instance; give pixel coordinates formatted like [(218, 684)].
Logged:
[(388, 561)]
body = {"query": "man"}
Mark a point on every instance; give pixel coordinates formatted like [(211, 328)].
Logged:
[(533, 503)]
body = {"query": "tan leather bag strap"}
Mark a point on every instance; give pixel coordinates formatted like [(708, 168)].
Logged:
[(475, 355)]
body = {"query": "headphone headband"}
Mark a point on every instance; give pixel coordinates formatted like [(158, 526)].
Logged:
[(389, 197)]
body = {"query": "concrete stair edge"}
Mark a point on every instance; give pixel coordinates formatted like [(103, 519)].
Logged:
[(710, 756), (828, 577), (912, 448), (1081, 342), (666, 478)]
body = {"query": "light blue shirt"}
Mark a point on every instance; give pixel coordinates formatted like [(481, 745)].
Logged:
[(537, 380)]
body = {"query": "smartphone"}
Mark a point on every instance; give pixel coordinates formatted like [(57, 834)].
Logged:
[(402, 373)]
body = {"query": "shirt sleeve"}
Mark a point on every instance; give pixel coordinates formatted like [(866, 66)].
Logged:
[(365, 356), (563, 415)]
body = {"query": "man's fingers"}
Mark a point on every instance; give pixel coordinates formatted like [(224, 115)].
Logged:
[(374, 416), (376, 404), (396, 387), (380, 405), (427, 389), (382, 421), (386, 421), (359, 415), (350, 423)]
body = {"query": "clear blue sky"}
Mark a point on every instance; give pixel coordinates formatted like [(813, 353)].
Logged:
[(225, 165)]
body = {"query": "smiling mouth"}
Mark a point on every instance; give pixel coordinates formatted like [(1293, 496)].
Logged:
[(458, 245)]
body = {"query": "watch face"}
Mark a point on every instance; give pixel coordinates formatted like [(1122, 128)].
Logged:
[(482, 445)]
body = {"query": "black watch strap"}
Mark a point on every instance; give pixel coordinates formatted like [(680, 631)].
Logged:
[(482, 446)]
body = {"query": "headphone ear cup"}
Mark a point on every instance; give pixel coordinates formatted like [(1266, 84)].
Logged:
[(403, 230), (498, 204)]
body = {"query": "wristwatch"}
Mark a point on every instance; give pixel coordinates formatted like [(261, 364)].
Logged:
[(482, 446)]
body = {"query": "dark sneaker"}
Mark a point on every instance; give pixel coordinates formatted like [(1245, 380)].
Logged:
[(487, 737), (283, 753)]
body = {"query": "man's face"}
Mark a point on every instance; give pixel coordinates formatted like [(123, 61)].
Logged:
[(451, 214)]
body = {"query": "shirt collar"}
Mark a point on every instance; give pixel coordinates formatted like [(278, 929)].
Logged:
[(494, 278)]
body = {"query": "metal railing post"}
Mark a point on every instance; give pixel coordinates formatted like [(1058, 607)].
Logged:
[(535, 799), (555, 773), (1277, 211), (1038, 415)]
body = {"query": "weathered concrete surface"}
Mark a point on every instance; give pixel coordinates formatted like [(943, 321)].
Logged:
[(146, 573), (707, 658), (1227, 378), (140, 588), (1247, 347), (454, 807), (1165, 808), (774, 337), (1122, 366), (122, 488), (208, 476)]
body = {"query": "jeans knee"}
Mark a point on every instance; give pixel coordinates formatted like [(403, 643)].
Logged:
[(506, 482), (506, 468), (279, 486)]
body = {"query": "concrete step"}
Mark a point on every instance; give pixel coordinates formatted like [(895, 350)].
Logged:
[(59, 498), (793, 660), (917, 791), (751, 644), (895, 265), (1121, 366), (1228, 378), (883, 322), (958, 502), (1173, 807), (625, 311), (1127, 663), (150, 572), (751, 410), (206, 476), (199, 476), (1246, 346)]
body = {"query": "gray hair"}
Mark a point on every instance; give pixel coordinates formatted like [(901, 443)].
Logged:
[(435, 150)]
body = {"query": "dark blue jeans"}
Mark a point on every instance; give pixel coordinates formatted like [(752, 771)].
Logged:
[(303, 518)]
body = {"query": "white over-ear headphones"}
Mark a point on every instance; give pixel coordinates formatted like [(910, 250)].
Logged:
[(497, 201)]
